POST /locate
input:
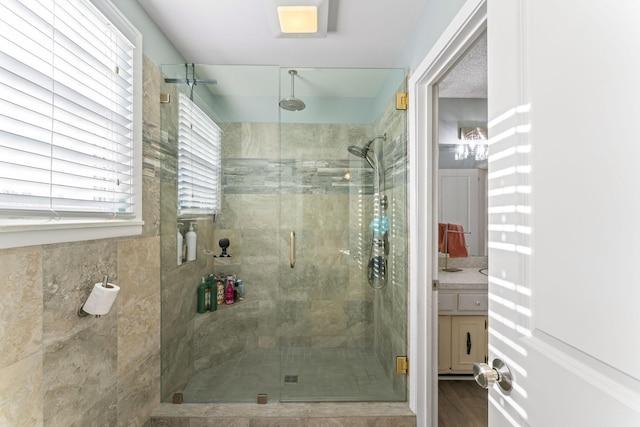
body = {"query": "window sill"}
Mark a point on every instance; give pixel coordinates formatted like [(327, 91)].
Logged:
[(16, 234)]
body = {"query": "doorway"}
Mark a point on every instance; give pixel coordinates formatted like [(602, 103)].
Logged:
[(464, 30), (462, 269)]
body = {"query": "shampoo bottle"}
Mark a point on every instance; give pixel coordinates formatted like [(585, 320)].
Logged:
[(204, 297), (179, 246), (220, 290), (213, 292), (192, 240), (240, 286), (228, 296)]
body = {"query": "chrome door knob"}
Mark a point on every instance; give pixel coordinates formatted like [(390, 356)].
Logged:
[(487, 376), (484, 375)]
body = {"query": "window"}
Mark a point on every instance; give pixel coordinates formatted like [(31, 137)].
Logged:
[(199, 165), (70, 118)]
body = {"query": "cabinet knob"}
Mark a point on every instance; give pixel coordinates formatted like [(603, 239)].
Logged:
[(477, 302)]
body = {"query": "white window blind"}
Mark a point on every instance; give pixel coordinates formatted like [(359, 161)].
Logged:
[(66, 112), (199, 163)]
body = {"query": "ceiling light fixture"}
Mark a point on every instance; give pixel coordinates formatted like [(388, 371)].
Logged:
[(298, 18)]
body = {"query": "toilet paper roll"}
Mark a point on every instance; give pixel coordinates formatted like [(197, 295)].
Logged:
[(101, 299)]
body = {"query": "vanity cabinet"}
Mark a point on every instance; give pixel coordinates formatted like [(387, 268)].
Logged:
[(462, 330)]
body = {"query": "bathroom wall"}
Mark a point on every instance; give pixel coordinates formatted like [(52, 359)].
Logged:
[(58, 369)]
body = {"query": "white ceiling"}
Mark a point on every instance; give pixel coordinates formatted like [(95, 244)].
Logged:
[(367, 34)]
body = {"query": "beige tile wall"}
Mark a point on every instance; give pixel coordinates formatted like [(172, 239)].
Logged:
[(57, 369)]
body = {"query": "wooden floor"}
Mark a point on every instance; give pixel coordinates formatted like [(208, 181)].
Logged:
[(462, 403)]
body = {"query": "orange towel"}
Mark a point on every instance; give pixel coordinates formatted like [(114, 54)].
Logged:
[(453, 241), (441, 246)]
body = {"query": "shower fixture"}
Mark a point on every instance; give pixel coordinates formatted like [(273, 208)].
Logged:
[(364, 151), (191, 82), (292, 103), (377, 273)]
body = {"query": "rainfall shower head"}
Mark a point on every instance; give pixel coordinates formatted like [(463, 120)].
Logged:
[(292, 103)]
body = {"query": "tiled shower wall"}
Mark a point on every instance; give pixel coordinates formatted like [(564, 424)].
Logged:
[(57, 369), (280, 179)]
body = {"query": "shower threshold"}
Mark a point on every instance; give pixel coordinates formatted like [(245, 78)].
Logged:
[(381, 414)]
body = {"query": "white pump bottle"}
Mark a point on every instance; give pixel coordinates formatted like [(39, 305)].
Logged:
[(191, 239)]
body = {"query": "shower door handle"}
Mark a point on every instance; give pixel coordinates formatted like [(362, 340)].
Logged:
[(292, 249)]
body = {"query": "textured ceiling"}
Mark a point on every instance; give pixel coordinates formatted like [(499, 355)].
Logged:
[(468, 78)]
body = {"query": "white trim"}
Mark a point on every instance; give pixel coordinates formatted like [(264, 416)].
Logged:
[(466, 26), (74, 232)]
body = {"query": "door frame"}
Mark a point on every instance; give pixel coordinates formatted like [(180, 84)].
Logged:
[(463, 30)]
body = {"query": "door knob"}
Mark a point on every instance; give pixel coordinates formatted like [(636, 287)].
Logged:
[(487, 376)]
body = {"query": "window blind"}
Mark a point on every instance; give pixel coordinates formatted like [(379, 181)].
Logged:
[(66, 111), (199, 163)]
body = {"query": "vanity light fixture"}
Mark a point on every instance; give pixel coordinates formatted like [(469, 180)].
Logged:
[(298, 18), (474, 143)]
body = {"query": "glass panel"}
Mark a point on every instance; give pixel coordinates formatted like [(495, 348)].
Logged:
[(287, 172), (343, 285)]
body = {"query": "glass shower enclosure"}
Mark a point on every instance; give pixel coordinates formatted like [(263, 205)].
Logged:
[(314, 206)]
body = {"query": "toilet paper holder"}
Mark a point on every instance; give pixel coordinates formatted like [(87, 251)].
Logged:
[(80, 312)]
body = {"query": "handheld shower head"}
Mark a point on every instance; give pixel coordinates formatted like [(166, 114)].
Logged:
[(358, 151), (364, 151)]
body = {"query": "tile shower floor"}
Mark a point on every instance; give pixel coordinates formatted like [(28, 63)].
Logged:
[(294, 375)]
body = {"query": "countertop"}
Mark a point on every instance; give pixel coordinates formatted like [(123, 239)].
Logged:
[(468, 278)]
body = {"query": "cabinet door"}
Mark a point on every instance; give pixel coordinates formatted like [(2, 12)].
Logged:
[(444, 344), (469, 342)]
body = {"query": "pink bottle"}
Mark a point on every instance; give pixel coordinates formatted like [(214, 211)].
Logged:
[(229, 291)]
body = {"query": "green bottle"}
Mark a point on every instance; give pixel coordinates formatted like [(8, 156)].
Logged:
[(213, 290), (204, 297)]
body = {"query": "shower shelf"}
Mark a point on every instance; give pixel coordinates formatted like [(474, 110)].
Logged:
[(226, 306)]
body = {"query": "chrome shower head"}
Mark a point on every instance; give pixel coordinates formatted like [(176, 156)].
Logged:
[(358, 151), (364, 151), (292, 103), (361, 152)]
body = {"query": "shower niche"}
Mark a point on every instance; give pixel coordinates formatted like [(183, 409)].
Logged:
[(303, 214)]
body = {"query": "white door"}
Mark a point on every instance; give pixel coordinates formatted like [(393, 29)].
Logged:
[(564, 204)]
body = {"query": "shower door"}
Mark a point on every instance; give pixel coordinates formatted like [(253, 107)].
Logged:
[(296, 207), (338, 336)]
